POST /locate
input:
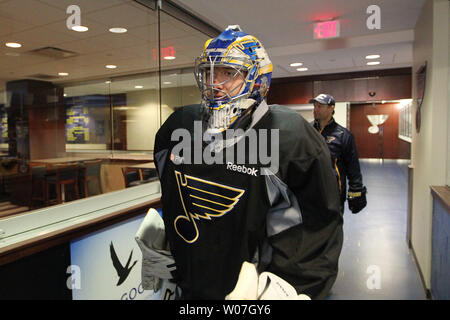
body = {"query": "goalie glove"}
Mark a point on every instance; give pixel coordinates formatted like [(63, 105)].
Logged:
[(357, 199), (266, 286), (157, 261)]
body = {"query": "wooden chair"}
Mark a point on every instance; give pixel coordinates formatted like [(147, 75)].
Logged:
[(63, 176), (90, 171), (39, 190), (131, 177), (148, 174)]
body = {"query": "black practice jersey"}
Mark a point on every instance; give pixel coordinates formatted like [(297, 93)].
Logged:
[(219, 215)]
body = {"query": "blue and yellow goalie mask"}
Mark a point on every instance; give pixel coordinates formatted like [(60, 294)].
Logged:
[(233, 74)]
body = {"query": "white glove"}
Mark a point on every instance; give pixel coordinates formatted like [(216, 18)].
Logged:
[(157, 261), (266, 286)]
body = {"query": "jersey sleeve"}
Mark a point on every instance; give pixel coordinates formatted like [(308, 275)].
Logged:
[(351, 163), (306, 254)]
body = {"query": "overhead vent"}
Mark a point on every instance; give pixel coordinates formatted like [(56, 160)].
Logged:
[(53, 53)]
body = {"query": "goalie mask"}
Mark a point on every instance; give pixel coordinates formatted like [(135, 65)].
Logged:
[(233, 75)]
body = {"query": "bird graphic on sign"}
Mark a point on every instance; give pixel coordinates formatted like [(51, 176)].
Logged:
[(122, 271)]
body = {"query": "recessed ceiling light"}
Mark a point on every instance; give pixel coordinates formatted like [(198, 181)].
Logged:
[(108, 82), (110, 66), (13, 45), (373, 56), (302, 69), (373, 63), (118, 30), (169, 58), (63, 74), (167, 82), (296, 64), (138, 87), (80, 28)]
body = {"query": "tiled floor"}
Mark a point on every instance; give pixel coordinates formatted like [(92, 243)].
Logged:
[(375, 262)]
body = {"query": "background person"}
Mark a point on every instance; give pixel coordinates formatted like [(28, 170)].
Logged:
[(344, 156)]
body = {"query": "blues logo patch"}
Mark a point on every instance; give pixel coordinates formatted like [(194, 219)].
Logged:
[(202, 199)]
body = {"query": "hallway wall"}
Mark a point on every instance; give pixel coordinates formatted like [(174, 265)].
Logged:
[(429, 147), (389, 84)]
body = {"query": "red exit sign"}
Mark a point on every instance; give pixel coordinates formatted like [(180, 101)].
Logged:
[(327, 29), (166, 53)]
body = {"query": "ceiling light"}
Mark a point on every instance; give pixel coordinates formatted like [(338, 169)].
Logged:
[(63, 74), (108, 82), (296, 64), (80, 28), (373, 63), (169, 58), (13, 45), (138, 87), (373, 56), (110, 66), (167, 82), (302, 69), (118, 30)]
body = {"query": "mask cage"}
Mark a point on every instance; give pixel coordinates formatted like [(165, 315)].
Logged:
[(205, 74)]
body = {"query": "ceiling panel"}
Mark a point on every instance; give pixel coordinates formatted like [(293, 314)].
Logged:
[(37, 37), (40, 23), (95, 29), (285, 27), (127, 16), (147, 32), (9, 26), (31, 12), (86, 6)]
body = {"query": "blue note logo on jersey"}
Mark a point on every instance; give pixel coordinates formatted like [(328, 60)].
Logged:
[(202, 199)]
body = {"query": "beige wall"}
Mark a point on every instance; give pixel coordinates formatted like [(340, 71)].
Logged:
[(428, 150), (143, 117), (448, 121)]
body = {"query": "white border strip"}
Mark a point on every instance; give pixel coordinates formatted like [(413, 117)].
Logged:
[(32, 224)]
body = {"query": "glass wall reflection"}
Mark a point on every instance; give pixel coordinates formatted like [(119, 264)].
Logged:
[(80, 105)]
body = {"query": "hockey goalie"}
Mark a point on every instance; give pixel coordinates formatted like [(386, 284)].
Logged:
[(250, 203)]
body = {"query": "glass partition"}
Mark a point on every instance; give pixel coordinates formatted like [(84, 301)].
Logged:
[(180, 45), (84, 87)]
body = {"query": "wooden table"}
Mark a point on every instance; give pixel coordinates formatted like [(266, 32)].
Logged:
[(137, 157), (142, 166), (50, 162), (145, 165)]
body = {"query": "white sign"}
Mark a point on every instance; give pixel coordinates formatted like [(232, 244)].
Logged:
[(106, 265)]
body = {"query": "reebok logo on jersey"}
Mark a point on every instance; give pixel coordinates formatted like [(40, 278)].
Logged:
[(243, 169)]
